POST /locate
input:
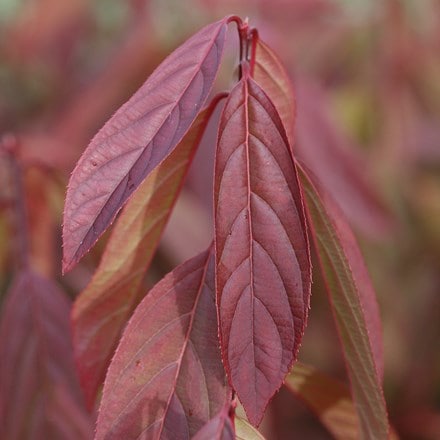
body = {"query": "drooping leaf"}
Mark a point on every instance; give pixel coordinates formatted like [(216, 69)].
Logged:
[(166, 379), (103, 308), (262, 253), (270, 73), (218, 428), (139, 136), (328, 398), (354, 304), (37, 373), (245, 431)]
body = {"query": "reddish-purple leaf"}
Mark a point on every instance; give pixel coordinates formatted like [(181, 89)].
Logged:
[(270, 73), (140, 135), (262, 253), (103, 308), (38, 389), (219, 427), (166, 379), (354, 305)]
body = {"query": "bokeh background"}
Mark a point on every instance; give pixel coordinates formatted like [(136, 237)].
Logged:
[(366, 75)]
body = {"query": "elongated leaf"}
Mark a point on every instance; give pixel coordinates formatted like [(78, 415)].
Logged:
[(245, 431), (328, 398), (218, 428), (262, 253), (37, 374), (103, 308), (270, 73), (140, 135), (354, 305), (166, 379)]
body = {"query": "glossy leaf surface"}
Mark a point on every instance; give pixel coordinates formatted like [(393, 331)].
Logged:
[(270, 73), (166, 379), (139, 136), (354, 305), (328, 398), (262, 254), (103, 308), (40, 396)]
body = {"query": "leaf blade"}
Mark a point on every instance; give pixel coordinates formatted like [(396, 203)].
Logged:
[(137, 138), (354, 305), (156, 382), (251, 259), (37, 373), (115, 285)]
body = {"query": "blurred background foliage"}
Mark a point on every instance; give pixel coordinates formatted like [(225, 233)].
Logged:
[(367, 76)]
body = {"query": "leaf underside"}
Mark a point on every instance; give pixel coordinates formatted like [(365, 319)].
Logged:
[(103, 308), (218, 428), (166, 379), (137, 138), (328, 398), (262, 254), (39, 392), (354, 305)]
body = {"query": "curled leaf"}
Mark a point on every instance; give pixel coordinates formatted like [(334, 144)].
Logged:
[(262, 253), (354, 305), (137, 138)]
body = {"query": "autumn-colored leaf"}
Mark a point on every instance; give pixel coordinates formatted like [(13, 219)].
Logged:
[(270, 73), (354, 304), (262, 253), (103, 308), (328, 398), (166, 379), (139, 136), (40, 396)]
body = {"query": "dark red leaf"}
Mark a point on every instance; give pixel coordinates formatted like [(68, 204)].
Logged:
[(140, 135), (166, 379), (39, 391), (103, 308), (262, 252)]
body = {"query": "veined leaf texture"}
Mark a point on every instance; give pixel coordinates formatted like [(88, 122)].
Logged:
[(262, 254)]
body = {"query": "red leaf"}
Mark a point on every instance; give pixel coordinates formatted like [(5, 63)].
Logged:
[(262, 253), (140, 135), (353, 303), (270, 73), (103, 308), (37, 374), (166, 379)]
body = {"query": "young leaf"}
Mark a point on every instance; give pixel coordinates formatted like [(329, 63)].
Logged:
[(37, 373), (138, 137), (262, 253), (354, 305), (166, 379), (103, 308), (328, 398), (270, 73)]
